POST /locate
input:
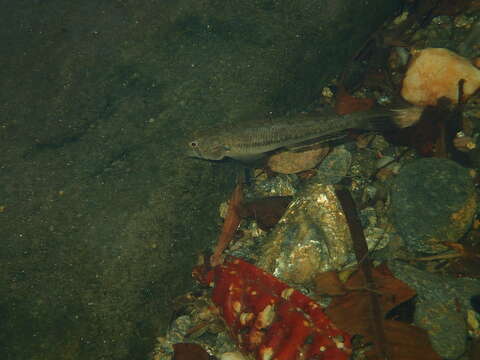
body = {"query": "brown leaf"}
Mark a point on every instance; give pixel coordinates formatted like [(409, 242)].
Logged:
[(475, 349), (266, 211), (328, 283), (347, 104), (452, 8), (468, 261), (186, 351), (230, 225), (307, 174), (459, 248), (351, 312), (406, 342)]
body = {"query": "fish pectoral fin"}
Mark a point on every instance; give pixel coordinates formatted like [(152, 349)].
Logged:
[(247, 158), (315, 143)]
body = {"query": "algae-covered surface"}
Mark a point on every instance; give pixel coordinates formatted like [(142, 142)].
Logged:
[(101, 214)]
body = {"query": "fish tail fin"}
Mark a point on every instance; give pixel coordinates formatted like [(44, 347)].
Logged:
[(382, 120), (407, 116)]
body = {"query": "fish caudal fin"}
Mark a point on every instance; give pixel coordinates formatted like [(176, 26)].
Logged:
[(378, 120)]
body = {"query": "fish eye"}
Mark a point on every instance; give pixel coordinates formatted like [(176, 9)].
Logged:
[(193, 144)]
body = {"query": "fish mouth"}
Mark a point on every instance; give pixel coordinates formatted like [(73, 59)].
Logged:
[(191, 153)]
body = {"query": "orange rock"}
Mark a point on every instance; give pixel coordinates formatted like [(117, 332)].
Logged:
[(291, 162), (435, 73)]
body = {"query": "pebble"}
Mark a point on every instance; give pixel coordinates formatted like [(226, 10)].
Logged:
[(291, 162)]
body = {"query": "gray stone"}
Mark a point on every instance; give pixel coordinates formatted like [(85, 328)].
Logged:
[(433, 201)]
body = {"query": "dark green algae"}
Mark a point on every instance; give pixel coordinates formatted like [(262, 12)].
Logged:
[(102, 215)]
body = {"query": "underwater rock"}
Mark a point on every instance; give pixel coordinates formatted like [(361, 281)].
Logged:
[(176, 334), (312, 237), (433, 201), (441, 306), (232, 356), (334, 167), (435, 73), (280, 185)]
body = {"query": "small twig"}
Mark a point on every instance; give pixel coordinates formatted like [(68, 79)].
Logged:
[(363, 288), (365, 265), (460, 106), (438, 257), (198, 327), (397, 158), (445, 257), (461, 92)]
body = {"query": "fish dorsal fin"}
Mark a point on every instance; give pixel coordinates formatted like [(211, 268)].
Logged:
[(316, 142)]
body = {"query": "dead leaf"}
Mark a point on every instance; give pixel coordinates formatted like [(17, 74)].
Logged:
[(266, 211), (452, 8), (475, 349), (230, 225), (351, 312), (406, 342), (347, 104), (186, 351), (459, 248), (307, 174), (328, 283), (468, 261)]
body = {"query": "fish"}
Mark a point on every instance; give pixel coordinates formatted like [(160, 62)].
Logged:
[(252, 141)]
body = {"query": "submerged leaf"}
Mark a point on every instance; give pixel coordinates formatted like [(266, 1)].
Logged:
[(186, 351), (347, 104), (406, 342), (352, 311), (266, 211), (329, 283), (230, 225)]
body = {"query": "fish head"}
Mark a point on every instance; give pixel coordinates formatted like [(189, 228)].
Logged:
[(207, 148)]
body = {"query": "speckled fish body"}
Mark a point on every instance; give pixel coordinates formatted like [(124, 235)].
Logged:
[(254, 141)]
